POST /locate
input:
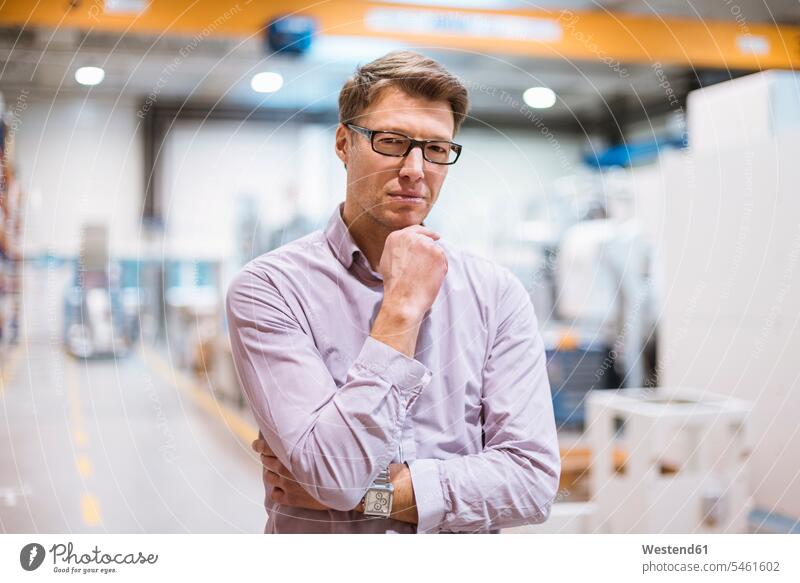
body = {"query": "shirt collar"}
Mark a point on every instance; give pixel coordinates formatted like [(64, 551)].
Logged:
[(341, 242), (339, 239)]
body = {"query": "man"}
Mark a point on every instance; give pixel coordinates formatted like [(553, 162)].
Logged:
[(399, 384)]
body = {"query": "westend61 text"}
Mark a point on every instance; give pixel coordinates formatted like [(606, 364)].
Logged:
[(672, 550)]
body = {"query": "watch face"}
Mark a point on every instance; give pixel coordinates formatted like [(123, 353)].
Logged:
[(378, 502)]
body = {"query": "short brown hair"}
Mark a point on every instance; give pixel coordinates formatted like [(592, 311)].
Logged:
[(411, 72)]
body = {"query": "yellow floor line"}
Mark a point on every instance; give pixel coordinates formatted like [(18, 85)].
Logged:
[(84, 466), (7, 373), (90, 507), (246, 431), (90, 510), (80, 438)]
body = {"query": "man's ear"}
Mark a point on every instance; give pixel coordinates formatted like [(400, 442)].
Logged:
[(342, 143)]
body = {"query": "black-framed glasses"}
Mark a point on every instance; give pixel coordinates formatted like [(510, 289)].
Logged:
[(399, 145)]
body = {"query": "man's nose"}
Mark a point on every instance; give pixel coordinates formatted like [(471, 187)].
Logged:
[(412, 167)]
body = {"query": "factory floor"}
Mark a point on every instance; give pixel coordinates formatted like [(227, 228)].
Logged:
[(131, 445)]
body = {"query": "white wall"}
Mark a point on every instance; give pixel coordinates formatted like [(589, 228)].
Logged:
[(79, 161), (209, 166)]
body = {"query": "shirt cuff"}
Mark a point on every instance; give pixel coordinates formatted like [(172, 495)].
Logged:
[(393, 366), (429, 495)]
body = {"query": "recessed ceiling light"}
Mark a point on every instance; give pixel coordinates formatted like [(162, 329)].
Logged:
[(266, 82), (90, 75), (539, 97)]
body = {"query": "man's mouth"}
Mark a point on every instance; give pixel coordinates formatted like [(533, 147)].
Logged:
[(406, 196)]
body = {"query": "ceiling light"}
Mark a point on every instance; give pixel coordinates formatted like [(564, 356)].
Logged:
[(266, 82), (90, 75), (539, 97)]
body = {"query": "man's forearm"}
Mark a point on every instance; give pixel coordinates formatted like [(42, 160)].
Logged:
[(397, 327)]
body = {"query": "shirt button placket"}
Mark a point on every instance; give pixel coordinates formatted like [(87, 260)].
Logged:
[(408, 450)]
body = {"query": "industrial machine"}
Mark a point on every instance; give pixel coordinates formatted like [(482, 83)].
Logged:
[(100, 318)]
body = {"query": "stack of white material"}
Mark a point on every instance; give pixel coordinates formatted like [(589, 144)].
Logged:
[(685, 461), (743, 111), (731, 249)]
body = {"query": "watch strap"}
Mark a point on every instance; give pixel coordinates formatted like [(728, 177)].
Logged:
[(383, 477)]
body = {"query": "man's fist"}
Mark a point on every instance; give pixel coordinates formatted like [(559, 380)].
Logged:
[(413, 267)]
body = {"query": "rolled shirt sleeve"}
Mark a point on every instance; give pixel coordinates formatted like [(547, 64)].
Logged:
[(514, 480), (334, 440)]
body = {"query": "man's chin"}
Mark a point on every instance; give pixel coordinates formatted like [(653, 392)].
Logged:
[(396, 217), (401, 220)]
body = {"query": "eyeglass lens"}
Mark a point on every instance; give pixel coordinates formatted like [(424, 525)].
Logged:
[(396, 145)]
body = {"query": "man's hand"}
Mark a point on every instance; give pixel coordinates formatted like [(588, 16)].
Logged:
[(285, 489), (404, 504), (413, 269), (288, 492)]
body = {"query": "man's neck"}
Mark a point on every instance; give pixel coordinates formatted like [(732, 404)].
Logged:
[(368, 235)]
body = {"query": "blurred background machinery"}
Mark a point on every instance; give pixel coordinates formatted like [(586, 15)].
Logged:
[(100, 317)]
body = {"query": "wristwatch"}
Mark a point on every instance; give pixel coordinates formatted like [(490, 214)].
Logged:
[(378, 499)]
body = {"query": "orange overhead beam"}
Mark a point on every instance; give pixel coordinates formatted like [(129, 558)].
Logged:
[(613, 38)]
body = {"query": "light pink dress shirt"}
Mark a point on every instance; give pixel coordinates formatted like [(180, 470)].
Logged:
[(471, 414)]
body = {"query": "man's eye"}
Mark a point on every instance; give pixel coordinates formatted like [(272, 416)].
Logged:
[(437, 149), (391, 140)]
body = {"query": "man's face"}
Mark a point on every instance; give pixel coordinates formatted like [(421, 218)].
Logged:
[(376, 183)]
